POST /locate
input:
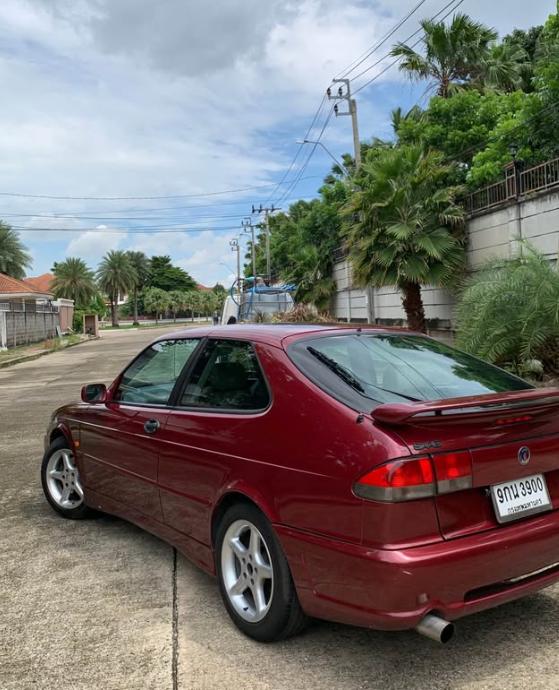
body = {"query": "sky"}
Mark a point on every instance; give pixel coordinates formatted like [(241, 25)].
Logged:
[(188, 112)]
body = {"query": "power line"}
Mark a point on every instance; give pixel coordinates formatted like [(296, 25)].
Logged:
[(128, 231), (119, 218), (348, 70), (136, 198), (298, 178), (361, 59), (77, 214), (299, 149), (394, 62)]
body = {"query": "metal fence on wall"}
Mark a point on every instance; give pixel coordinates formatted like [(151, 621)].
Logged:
[(517, 183)]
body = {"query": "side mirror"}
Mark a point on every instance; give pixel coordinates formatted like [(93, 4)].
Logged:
[(94, 393)]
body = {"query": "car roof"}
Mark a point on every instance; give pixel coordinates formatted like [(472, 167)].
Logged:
[(276, 334)]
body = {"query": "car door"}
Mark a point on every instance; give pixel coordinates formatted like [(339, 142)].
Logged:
[(224, 396), (120, 442)]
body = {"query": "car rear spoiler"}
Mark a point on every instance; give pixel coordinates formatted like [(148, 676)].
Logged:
[(530, 401)]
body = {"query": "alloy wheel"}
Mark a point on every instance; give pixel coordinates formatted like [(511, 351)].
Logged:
[(247, 571), (63, 480)]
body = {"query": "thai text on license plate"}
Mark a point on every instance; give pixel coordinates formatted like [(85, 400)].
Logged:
[(520, 497)]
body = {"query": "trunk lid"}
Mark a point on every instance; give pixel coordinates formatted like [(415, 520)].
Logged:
[(493, 428)]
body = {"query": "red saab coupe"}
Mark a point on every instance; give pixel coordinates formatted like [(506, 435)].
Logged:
[(364, 475)]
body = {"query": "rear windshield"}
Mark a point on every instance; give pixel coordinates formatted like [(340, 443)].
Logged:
[(358, 368)]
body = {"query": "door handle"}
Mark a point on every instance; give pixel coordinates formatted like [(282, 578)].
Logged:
[(151, 426)]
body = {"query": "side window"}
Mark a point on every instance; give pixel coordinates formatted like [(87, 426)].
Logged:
[(151, 377), (227, 376)]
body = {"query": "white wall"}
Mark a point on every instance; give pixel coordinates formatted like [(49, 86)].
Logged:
[(490, 235), (381, 304)]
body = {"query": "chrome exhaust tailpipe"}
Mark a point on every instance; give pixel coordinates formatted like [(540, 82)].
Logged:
[(436, 628)]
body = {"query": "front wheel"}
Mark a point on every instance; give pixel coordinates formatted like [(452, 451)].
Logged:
[(61, 481), (254, 576)]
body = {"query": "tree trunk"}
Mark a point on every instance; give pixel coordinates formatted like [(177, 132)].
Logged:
[(114, 305), (413, 306), (136, 323)]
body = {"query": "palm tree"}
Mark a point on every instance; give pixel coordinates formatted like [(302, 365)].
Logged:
[(14, 258), (116, 276), (156, 301), (506, 67), (450, 53), (520, 333), (192, 301), (141, 265), (177, 300), (74, 280), (403, 226)]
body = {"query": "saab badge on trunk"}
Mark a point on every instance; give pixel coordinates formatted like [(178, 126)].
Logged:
[(524, 455)]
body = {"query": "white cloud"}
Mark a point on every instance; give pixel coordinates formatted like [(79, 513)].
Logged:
[(134, 98), (93, 244)]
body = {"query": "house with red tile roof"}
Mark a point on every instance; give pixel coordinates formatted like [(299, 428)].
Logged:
[(12, 289), (42, 283), (28, 312)]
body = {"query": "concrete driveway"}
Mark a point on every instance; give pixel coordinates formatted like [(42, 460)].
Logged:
[(99, 604)]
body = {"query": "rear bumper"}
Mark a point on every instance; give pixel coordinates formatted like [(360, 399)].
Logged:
[(394, 589)]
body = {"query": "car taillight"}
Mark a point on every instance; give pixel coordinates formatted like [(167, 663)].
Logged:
[(453, 471), (398, 480), (406, 479)]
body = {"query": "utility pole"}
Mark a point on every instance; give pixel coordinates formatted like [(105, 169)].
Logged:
[(248, 226), (266, 211), (235, 247), (340, 94)]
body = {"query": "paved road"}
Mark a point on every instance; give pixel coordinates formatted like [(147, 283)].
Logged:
[(91, 604)]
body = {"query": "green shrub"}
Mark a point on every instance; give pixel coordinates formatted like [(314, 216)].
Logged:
[(509, 313)]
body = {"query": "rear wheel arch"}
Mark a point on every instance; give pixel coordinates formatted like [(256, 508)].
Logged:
[(226, 501)]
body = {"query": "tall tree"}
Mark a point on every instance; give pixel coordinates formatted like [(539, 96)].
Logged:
[(452, 56), (14, 258), (74, 280), (116, 276), (167, 277), (141, 265), (403, 226)]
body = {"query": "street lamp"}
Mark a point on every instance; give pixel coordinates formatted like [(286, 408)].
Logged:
[(319, 143), (235, 247)]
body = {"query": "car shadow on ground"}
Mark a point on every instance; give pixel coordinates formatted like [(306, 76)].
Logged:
[(513, 646)]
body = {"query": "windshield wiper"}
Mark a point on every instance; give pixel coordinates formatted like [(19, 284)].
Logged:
[(350, 379), (401, 395), (338, 369)]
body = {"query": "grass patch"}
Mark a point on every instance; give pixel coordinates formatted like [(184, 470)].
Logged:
[(49, 345)]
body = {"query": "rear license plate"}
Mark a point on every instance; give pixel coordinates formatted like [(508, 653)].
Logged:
[(521, 497)]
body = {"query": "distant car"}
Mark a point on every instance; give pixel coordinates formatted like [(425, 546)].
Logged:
[(373, 477)]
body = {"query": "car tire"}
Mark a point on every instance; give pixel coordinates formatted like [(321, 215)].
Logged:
[(61, 482), (254, 577)]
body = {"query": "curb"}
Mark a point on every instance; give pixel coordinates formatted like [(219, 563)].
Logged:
[(36, 355)]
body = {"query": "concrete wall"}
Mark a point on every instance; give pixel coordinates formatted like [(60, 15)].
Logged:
[(494, 234), (491, 234), (382, 305), (20, 328)]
